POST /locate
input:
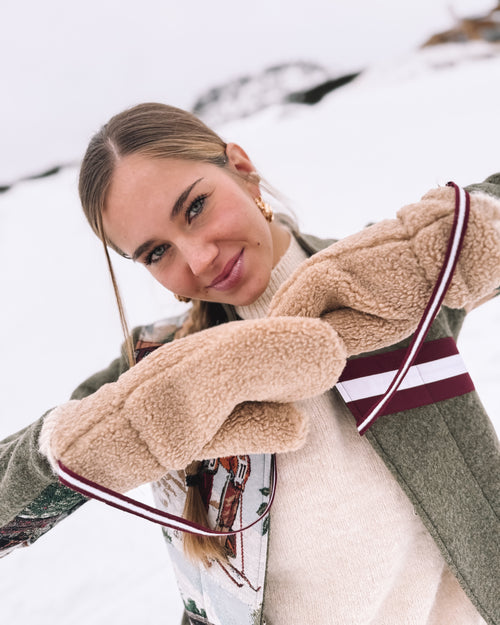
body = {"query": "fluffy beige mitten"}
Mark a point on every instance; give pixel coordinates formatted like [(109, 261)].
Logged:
[(178, 404), (373, 286)]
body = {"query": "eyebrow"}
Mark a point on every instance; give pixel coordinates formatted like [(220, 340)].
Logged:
[(179, 203), (182, 198)]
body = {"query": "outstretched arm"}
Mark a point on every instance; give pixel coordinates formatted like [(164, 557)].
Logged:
[(31, 499), (373, 286), (181, 402)]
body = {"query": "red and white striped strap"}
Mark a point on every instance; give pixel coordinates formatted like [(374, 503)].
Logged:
[(127, 504), (117, 500), (462, 209), (438, 373)]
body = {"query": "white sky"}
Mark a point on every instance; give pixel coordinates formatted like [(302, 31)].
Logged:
[(68, 66)]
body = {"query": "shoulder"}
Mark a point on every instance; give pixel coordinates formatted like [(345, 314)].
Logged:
[(310, 243), (490, 186), (147, 338), (160, 331)]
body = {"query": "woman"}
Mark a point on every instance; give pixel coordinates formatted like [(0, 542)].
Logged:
[(393, 527)]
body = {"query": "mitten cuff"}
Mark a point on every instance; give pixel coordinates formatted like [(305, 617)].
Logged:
[(49, 425)]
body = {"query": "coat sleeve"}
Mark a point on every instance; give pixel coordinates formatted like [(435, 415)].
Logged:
[(32, 500), (490, 186)]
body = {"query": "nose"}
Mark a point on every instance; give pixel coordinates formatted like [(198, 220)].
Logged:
[(199, 256)]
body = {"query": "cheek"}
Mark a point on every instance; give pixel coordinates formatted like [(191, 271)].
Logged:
[(168, 278), (264, 242), (249, 227), (177, 279)]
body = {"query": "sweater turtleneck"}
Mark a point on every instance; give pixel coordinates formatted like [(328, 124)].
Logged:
[(345, 545)]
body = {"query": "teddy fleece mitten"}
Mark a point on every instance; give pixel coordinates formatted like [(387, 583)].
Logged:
[(373, 286), (178, 404)]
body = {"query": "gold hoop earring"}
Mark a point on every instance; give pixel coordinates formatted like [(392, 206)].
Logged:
[(181, 298), (264, 208)]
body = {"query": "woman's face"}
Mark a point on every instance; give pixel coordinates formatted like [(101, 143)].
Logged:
[(194, 226)]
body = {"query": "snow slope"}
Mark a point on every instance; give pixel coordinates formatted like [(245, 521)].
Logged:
[(359, 155), (66, 67)]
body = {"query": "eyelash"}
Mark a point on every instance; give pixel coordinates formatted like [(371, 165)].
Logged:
[(198, 201), (149, 258), (198, 204)]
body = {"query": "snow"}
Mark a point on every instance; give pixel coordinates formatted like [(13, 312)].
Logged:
[(69, 66), (414, 120)]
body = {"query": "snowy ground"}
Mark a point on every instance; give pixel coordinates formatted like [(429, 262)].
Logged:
[(364, 151), (66, 67)]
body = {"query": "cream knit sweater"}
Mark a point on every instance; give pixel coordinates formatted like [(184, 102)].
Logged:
[(346, 547)]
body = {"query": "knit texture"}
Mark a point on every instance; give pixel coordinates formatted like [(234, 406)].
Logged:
[(354, 545), (371, 288)]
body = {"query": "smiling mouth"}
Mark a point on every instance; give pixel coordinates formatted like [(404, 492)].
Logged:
[(230, 275)]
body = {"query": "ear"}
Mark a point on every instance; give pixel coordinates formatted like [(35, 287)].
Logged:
[(239, 159), (240, 163)]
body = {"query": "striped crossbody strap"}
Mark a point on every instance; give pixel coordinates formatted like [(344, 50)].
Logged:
[(138, 508), (379, 377), (127, 504), (96, 491)]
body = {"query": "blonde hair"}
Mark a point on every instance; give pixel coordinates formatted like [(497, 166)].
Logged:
[(157, 131)]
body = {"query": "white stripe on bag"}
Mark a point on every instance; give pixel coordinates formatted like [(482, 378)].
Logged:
[(458, 230), (418, 375)]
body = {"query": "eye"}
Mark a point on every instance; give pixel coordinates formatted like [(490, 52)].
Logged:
[(195, 208), (156, 254)]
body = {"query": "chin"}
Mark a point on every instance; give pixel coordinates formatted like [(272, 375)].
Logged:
[(245, 301), (249, 297)]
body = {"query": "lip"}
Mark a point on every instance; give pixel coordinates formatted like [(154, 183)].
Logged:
[(230, 275)]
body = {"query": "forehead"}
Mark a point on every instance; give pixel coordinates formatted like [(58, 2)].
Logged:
[(139, 174)]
